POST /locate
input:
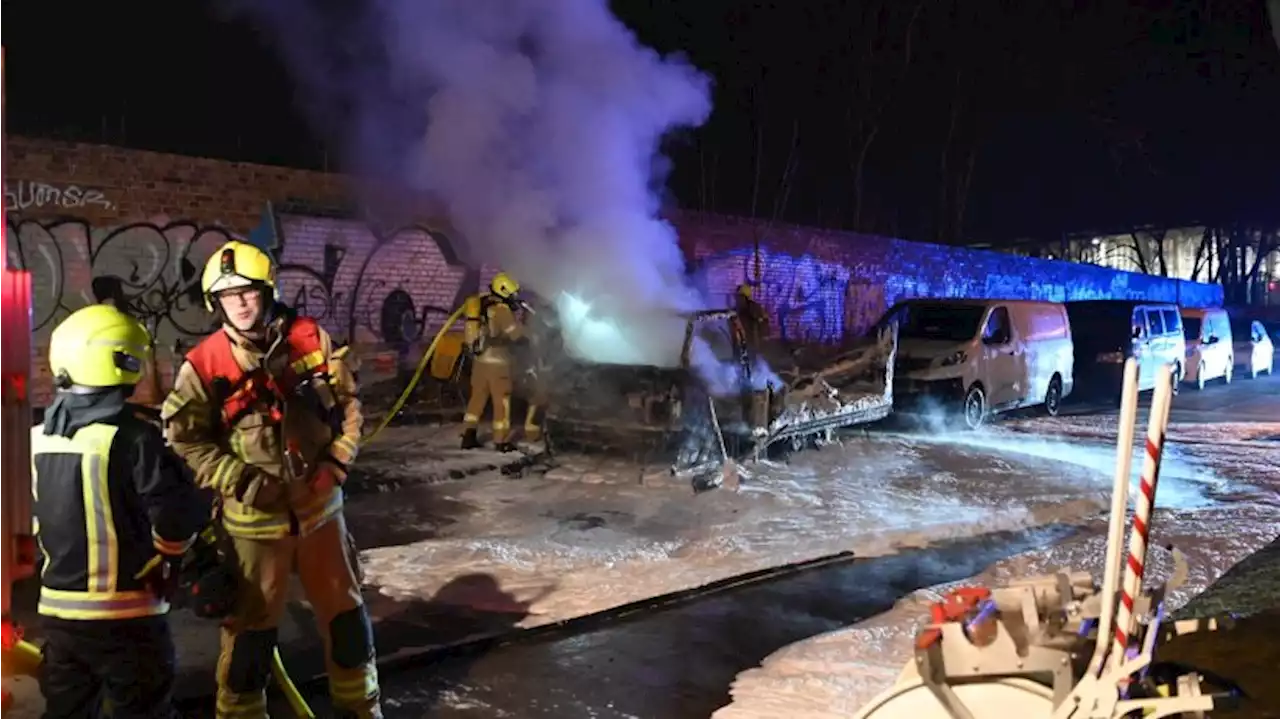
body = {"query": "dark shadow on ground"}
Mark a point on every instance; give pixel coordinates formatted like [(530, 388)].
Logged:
[(680, 662), (469, 606)]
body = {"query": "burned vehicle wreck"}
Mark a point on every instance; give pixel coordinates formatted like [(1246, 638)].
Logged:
[(722, 401)]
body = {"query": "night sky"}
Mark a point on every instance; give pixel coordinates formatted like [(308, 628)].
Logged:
[(1059, 117)]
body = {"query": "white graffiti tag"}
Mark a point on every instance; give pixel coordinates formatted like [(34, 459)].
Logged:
[(23, 195)]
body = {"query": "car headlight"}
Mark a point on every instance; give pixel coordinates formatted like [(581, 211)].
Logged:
[(954, 358), (1110, 357)]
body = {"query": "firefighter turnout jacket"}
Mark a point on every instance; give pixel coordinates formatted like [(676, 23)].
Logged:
[(108, 497), (238, 411)]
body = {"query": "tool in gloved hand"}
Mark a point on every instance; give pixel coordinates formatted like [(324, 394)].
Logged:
[(160, 574)]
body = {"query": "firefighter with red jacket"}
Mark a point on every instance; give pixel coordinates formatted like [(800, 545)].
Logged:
[(265, 411), (115, 510)]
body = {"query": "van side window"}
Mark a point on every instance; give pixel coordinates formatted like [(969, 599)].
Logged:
[(996, 331), (1172, 322), (1155, 324), (1258, 333)]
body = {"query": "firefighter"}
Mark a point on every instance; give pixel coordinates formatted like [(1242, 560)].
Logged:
[(114, 512), (753, 323), (536, 360), (754, 317), (491, 328), (265, 411)]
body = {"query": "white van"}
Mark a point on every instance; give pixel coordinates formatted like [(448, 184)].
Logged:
[(983, 356), (1108, 332), (1254, 351), (1210, 352)]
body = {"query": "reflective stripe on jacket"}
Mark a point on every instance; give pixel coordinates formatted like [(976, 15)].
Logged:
[(96, 534)]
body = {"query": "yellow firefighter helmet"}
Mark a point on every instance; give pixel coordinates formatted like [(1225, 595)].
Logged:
[(746, 290), (504, 286), (98, 346), (237, 264)]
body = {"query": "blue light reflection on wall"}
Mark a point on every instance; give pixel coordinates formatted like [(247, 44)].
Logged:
[(820, 300)]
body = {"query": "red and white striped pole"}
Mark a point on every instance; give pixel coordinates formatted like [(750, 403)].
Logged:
[(1157, 423), (1128, 421)]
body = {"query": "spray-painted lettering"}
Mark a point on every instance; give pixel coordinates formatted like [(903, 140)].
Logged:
[(365, 288), (805, 296), (24, 195)]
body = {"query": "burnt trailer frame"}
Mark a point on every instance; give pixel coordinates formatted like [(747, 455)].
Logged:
[(671, 413)]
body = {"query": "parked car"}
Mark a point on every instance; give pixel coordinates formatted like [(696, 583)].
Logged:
[(1108, 332), (1254, 351), (983, 356), (1210, 353)]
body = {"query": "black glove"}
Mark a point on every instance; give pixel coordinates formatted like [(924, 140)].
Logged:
[(160, 574), (260, 490)]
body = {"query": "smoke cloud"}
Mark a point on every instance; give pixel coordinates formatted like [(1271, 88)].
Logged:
[(536, 123)]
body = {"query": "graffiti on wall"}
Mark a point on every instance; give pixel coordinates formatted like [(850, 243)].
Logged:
[(24, 195), (153, 270), (804, 295), (363, 286)]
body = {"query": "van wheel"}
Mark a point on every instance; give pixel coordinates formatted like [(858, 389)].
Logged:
[(1053, 397), (975, 407), (1200, 376)]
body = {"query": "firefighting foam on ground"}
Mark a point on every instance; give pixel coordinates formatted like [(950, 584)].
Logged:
[(463, 540)]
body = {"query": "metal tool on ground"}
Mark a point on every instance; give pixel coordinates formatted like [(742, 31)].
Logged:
[(729, 468), (1060, 646)]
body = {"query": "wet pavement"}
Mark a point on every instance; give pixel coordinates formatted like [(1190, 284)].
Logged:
[(678, 662)]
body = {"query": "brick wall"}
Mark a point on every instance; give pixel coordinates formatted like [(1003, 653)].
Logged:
[(93, 221), (106, 185)]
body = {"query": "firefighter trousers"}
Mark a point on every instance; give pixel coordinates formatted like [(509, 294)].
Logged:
[(323, 564), (490, 381), (536, 414), (128, 663)]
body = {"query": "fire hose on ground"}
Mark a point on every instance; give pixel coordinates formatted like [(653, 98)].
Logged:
[(417, 377)]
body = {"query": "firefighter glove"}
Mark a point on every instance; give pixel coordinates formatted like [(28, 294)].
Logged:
[(260, 490), (160, 574)]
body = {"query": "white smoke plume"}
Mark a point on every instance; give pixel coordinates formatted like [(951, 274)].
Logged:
[(537, 123)]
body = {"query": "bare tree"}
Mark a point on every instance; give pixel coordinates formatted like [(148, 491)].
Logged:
[(875, 86), (1242, 252), (954, 178)]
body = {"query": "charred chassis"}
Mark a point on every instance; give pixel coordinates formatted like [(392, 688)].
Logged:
[(656, 413)]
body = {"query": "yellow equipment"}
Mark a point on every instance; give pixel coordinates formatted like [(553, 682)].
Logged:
[(237, 264), (746, 290), (444, 361)]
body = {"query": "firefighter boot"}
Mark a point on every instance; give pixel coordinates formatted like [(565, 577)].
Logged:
[(505, 446), (469, 439)]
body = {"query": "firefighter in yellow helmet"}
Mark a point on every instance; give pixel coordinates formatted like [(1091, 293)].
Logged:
[(491, 328), (265, 411), (753, 324), (114, 512)]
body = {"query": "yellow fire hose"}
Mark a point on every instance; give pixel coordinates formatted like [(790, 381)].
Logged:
[(417, 376)]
